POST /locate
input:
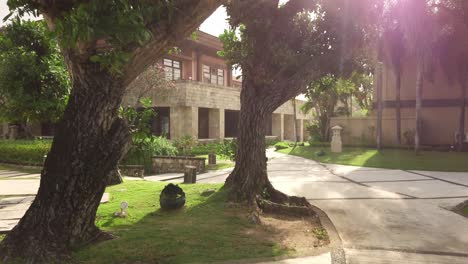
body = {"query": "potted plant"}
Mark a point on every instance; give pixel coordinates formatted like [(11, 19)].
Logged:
[(172, 197)]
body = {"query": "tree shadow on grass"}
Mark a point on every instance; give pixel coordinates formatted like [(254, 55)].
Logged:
[(206, 230)]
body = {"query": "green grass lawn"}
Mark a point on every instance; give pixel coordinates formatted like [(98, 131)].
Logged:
[(387, 158), (204, 231), (465, 211), (221, 163)]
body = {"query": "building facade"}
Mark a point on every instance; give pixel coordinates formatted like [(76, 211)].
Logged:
[(441, 109), (205, 100)]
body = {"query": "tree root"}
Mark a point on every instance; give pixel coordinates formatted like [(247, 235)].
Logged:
[(273, 201), (289, 210), (278, 197)]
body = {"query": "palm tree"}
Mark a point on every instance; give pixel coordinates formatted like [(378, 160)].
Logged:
[(394, 38), (416, 20), (451, 53)]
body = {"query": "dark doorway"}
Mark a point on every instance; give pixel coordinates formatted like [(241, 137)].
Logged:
[(231, 122), (160, 123), (47, 129), (203, 123)]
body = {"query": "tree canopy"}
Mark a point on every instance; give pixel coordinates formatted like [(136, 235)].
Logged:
[(34, 83)]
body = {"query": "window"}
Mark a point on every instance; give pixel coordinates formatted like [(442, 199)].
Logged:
[(172, 68), (213, 75)]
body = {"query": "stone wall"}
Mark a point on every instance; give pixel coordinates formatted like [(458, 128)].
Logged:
[(165, 164), (362, 130), (197, 94)]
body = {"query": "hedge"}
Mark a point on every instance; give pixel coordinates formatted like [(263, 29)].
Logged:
[(25, 152)]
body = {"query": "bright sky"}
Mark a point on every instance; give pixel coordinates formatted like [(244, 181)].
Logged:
[(214, 25)]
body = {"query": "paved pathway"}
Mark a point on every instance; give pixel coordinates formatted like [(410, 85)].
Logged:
[(382, 216)]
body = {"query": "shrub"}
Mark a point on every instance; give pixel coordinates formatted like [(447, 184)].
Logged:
[(185, 145), (281, 145), (142, 151), (228, 149), (206, 148), (271, 142), (314, 143), (24, 151)]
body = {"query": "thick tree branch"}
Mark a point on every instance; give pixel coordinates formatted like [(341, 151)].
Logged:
[(288, 87)]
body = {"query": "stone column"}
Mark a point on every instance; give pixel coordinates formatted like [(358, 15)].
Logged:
[(288, 124), (176, 122), (305, 132), (300, 129), (216, 124), (194, 66), (3, 130), (184, 121), (192, 121), (336, 144), (221, 124), (277, 124)]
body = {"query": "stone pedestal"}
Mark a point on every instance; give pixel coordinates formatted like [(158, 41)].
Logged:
[(211, 159), (336, 144), (190, 174), (13, 132)]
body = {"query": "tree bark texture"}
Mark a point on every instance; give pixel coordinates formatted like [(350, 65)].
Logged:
[(89, 142), (249, 179), (249, 176)]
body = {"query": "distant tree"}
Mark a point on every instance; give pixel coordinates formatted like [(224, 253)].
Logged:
[(151, 83), (394, 38), (326, 94), (322, 98), (294, 106), (417, 23), (362, 89), (106, 44), (34, 83)]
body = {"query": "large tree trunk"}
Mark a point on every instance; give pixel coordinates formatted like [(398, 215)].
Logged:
[(249, 179), (419, 84), (398, 107), (89, 142), (249, 176), (461, 123)]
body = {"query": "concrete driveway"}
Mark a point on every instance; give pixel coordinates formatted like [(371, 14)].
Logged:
[(382, 216)]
